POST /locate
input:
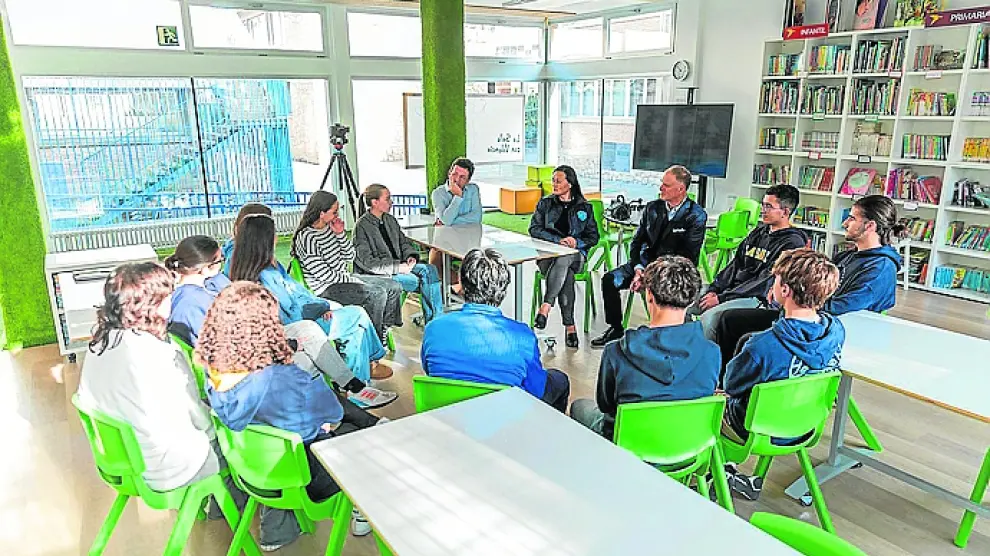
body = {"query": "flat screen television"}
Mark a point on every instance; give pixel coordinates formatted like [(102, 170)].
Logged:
[(693, 135)]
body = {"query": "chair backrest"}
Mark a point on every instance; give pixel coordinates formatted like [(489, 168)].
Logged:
[(266, 462), (295, 271), (598, 207), (751, 206), (677, 433), (732, 226), (430, 392), (115, 448), (198, 371), (793, 407), (803, 537)]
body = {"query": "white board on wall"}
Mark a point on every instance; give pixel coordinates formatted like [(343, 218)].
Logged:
[(494, 129)]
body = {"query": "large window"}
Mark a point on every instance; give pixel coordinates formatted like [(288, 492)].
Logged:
[(574, 40), (256, 29), (638, 33), (94, 23), (115, 151), (502, 41)]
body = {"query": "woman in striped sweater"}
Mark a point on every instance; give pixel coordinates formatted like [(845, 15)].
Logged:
[(325, 254)]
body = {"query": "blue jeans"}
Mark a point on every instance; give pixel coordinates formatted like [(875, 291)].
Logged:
[(352, 328), (425, 280)]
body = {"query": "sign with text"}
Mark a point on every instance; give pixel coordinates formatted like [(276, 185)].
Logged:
[(168, 35), (805, 32), (958, 17)]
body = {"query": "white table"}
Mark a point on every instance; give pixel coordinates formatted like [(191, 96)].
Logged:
[(507, 474), (456, 241), (929, 364), (415, 220)]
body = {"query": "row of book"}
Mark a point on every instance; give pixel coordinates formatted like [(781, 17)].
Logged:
[(918, 266), (869, 139), (976, 149), (812, 216), (823, 99), (970, 193), (768, 174), (980, 103), (817, 241), (879, 56), (981, 52), (822, 141), (777, 138), (919, 229), (949, 277), (931, 103), (828, 59), (819, 178), (934, 57), (860, 181), (972, 237), (925, 147), (779, 97), (875, 97), (784, 64), (906, 184)]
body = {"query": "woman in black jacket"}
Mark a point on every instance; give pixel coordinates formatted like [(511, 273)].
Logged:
[(566, 218)]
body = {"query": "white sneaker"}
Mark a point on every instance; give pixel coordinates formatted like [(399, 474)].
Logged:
[(359, 525), (370, 397), (383, 420)]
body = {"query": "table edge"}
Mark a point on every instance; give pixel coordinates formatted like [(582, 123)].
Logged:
[(919, 397)]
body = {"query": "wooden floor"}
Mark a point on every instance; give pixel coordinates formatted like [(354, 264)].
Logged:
[(52, 502)]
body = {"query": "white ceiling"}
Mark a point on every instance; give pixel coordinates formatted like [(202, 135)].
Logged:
[(567, 6)]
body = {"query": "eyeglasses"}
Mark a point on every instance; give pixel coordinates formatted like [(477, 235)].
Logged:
[(216, 262), (768, 206)]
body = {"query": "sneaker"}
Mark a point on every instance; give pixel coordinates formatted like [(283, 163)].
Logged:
[(609, 335), (359, 525), (370, 397), (745, 486), (383, 420)]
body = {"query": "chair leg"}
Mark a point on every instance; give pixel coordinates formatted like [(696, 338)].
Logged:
[(629, 304), (706, 266), (242, 533), (646, 307), (763, 467), (234, 518), (184, 522), (341, 522), (383, 548), (113, 516), (721, 484), (306, 524), (979, 490), (537, 296), (863, 427), (816, 491), (589, 303), (702, 484)]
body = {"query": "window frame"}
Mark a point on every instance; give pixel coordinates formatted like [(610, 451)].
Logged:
[(607, 16), (191, 46)]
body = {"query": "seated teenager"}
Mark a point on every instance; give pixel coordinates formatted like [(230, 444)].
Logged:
[(804, 341), (254, 261), (665, 360), (382, 249), (567, 218), (456, 203), (325, 253), (479, 344), (744, 283), (253, 379), (197, 261), (671, 225), (867, 274)]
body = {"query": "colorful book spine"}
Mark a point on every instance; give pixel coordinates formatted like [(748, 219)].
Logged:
[(925, 147), (821, 141), (875, 97), (879, 56), (823, 99), (777, 139), (779, 97), (828, 59), (768, 174), (818, 178), (931, 103), (976, 149), (783, 65)]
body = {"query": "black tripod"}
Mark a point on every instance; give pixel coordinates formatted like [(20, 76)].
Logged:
[(344, 177)]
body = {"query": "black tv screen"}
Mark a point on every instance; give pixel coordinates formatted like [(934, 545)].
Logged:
[(695, 136)]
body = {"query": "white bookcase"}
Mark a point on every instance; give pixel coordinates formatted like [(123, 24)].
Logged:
[(963, 124)]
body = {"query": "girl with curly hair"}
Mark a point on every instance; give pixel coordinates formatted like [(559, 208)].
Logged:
[(253, 380)]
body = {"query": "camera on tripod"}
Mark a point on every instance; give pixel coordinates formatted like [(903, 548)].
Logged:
[(338, 135)]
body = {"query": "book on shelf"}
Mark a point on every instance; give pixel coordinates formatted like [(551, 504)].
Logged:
[(949, 276), (918, 266), (876, 56), (842, 247), (768, 174), (859, 181), (979, 104), (794, 12), (818, 178), (828, 59), (976, 149), (931, 103), (925, 147), (779, 97), (833, 10), (817, 241), (777, 138), (871, 97), (970, 193), (973, 237), (869, 139), (823, 99), (919, 229), (822, 141), (911, 13), (812, 216), (953, 231), (981, 56), (784, 65), (866, 16), (905, 184), (935, 57)]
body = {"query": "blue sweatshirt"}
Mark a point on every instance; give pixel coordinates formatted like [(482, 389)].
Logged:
[(656, 364), (791, 348), (479, 344), (455, 211), (282, 396), (189, 306), (868, 280)]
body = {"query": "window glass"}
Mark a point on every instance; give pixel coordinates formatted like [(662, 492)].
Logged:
[(96, 23), (502, 41), (215, 27), (638, 33), (574, 138), (576, 39), (384, 35)]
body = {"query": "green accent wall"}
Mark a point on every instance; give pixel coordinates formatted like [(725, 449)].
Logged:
[(26, 313), (444, 98)]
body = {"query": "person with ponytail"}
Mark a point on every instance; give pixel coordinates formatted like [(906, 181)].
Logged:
[(325, 253), (868, 274)]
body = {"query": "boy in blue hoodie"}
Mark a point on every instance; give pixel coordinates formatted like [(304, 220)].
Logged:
[(867, 282), (803, 342), (665, 360)]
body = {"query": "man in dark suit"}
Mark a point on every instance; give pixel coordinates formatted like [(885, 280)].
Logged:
[(671, 225)]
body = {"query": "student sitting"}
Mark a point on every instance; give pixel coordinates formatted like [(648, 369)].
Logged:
[(456, 203), (197, 261), (479, 344), (254, 261), (746, 280), (325, 253), (383, 250), (868, 274), (665, 360), (803, 342), (254, 380)]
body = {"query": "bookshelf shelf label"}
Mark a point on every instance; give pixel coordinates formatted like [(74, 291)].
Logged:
[(864, 158), (934, 74), (814, 155), (957, 17), (818, 116), (894, 73), (872, 118), (909, 205)]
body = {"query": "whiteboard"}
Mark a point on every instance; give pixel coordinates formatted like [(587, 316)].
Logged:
[(494, 129)]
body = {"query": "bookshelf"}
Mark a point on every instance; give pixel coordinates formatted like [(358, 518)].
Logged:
[(877, 102)]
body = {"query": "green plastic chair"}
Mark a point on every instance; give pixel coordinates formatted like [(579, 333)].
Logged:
[(729, 232), (271, 466), (586, 277), (751, 206), (680, 438), (198, 371), (979, 490), (629, 306), (120, 463), (605, 242), (791, 408), (431, 392), (803, 537)]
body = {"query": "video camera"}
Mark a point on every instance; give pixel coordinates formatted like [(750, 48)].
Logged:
[(338, 135)]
